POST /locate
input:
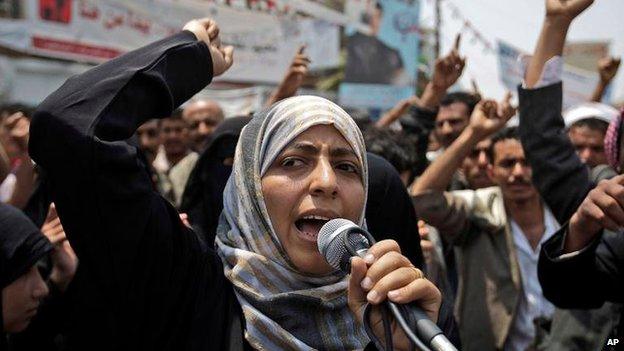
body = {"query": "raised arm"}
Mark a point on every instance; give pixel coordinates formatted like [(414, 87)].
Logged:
[(293, 79), (559, 16), (607, 68), (486, 119), (558, 173), (446, 71), (16, 129), (102, 191)]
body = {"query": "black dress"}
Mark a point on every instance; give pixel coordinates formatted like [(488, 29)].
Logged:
[(149, 282), (146, 281)]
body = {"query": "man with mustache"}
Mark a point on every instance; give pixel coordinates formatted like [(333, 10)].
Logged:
[(498, 232)]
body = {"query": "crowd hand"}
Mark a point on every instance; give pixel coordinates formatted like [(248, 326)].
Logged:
[(449, 68), (386, 274), (425, 244), (64, 260), (475, 89), (607, 68), (566, 10), (602, 208), (488, 117), (16, 127), (505, 109), (296, 73), (185, 221), (207, 30), (397, 111)]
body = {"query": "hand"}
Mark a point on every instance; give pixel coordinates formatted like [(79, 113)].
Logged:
[(487, 118), (64, 260), (448, 69), (16, 127), (425, 244), (207, 30), (185, 221), (475, 89), (296, 73), (566, 9), (602, 208), (607, 68), (505, 109), (386, 274)]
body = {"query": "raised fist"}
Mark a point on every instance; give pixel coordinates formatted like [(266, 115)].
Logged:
[(207, 30), (607, 68)]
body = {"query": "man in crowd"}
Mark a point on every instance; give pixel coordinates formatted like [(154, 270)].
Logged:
[(149, 139), (175, 163), (202, 117), (394, 146), (587, 126), (499, 231)]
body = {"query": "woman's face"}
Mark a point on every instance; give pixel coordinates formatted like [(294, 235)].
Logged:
[(317, 177)]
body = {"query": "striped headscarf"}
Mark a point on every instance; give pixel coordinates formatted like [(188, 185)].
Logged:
[(284, 309), (612, 142)]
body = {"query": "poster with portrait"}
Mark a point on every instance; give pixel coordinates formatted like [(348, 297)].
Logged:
[(382, 52)]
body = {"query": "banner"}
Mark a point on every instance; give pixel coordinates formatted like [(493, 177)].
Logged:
[(578, 84), (381, 61), (94, 31)]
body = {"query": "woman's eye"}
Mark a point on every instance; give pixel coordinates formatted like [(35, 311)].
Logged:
[(348, 167), (292, 162)]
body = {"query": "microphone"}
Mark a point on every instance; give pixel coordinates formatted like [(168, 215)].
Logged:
[(338, 241)]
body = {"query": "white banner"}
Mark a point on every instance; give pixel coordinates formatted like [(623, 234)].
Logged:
[(94, 31)]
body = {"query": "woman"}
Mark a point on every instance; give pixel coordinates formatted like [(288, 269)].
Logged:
[(155, 283), (202, 200), (21, 246)]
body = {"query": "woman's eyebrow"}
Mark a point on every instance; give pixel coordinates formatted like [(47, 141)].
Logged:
[(309, 148), (342, 152), (306, 148)]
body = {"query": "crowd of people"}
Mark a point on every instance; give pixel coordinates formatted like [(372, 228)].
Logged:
[(134, 215)]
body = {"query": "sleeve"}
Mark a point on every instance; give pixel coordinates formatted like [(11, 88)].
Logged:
[(117, 224), (593, 273), (551, 72), (448, 213), (558, 173)]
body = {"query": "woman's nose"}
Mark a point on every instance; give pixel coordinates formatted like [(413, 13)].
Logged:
[(39, 287), (324, 180)]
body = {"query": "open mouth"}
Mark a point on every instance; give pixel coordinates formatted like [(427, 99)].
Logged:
[(309, 226)]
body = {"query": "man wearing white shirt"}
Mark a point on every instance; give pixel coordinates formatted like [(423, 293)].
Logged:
[(498, 232)]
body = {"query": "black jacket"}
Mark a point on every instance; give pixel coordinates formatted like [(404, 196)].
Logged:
[(564, 181)]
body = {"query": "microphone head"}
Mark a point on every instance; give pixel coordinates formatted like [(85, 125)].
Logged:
[(331, 244)]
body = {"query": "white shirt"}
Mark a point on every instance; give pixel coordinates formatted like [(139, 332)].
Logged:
[(532, 302)]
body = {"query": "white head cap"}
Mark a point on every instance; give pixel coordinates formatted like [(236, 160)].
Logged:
[(589, 110)]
